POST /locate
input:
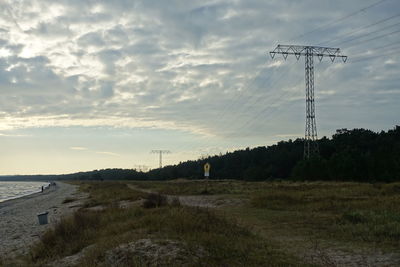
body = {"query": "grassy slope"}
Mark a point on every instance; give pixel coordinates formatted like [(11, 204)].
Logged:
[(350, 216), (275, 220), (221, 240)]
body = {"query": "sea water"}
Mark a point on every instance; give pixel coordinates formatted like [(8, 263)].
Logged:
[(11, 190)]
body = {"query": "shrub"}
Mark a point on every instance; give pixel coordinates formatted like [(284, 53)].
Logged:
[(154, 200)]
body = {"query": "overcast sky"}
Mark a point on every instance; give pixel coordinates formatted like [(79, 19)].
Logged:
[(99, 84)]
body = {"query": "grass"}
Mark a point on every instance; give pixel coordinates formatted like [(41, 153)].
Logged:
[(197, 187), (225, 243), (108, 193), (205, 234), (347, 212), (276, 224), (351, 215)]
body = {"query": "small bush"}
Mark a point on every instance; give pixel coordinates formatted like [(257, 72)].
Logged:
[(154, 200)]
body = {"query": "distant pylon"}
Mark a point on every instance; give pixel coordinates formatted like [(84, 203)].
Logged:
[(310, 144), (161, 152), (141, 168)]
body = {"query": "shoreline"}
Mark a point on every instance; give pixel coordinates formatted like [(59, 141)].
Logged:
[(21, 196), (19, 225)]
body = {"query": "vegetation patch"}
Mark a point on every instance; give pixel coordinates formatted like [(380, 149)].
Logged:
[(148, 252), (372, 226), (68, 237), (108, 193), (177, 233), (352, 212), (154, 200), (194, 233)]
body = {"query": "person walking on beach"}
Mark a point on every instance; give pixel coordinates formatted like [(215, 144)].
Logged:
[(42, 188)]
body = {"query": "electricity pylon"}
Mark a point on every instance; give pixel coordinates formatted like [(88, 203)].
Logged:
[(309, 52), (161, 152), (141, 168)]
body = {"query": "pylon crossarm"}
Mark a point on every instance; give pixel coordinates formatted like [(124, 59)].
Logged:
[(300, 50)]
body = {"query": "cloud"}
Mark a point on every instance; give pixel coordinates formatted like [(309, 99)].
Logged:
[(108, 153), (13, 135), (198, 66), (78, 148)]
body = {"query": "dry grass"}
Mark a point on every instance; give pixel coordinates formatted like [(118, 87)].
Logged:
[(222, 241), (351, 215), (358, 215), (108, 193), (349, 212), (197, 187)]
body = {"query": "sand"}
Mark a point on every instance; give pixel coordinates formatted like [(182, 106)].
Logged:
[(19, 224)]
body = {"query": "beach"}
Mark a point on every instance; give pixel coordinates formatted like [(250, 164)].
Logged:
[(19, 225)]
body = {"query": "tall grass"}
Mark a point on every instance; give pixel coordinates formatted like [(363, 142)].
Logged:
[(368, 213), (208, 238), (106, 193), (68, 236), (224, 242)]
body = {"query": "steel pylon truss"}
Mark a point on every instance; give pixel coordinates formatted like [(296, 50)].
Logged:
[(161, 152), (309, 52), (302, 50)]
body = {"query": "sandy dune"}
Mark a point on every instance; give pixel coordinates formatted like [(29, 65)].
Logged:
[(19, 226)]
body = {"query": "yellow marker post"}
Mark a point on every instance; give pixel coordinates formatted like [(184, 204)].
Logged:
[(207, 168)]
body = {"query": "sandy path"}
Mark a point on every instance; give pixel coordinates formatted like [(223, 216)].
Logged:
[(19, 226), (192, 201), (202, 201)]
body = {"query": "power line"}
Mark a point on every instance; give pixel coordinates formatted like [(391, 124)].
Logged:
[(255, 118), (358, 30), (338, 20), (228, 123), (246, 107), (238, 96), (389, 53), (224, 123), (387, 47), (374, 38), (237, 128), (343, 18), (369, 33), (227, 109)]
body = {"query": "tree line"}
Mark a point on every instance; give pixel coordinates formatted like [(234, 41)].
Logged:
[(350, 155)]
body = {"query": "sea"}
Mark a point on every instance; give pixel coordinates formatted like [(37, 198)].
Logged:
[(11, 190)]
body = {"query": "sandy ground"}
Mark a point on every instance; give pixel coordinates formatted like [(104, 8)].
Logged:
[(19, 225)]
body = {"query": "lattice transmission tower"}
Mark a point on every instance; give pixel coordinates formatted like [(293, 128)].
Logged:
[(161, 152), (309, 52)]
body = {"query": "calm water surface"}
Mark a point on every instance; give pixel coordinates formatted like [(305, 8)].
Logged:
[(10, 190)]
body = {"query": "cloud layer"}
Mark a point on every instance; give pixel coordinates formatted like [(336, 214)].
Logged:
[(197, 66)]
